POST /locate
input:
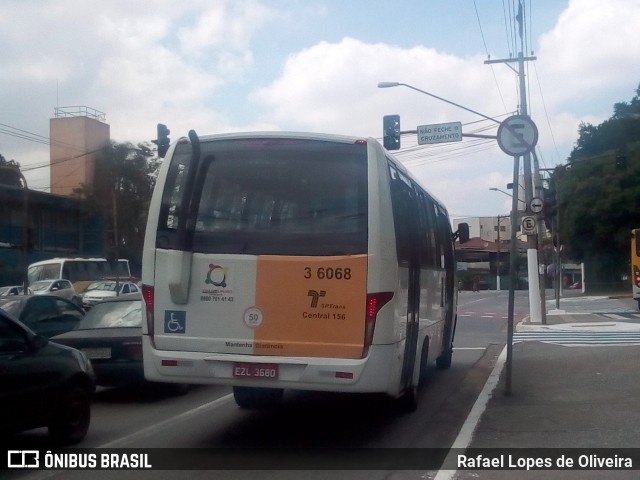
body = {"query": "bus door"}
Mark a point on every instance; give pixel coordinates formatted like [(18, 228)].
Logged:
[(445, 238), (405, 215)]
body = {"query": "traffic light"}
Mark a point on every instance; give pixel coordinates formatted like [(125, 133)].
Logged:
[(391, 132), (162, 140), (550, 209)]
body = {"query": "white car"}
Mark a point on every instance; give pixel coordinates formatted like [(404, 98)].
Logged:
[(13, 290), (60, 287), (98, 291)]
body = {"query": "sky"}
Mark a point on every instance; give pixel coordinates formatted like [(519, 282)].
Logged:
[(314, 65)]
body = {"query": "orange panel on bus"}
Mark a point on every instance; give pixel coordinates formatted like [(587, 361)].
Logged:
[(309, 306)]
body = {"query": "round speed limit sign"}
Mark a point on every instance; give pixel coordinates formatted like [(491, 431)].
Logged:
[(529, 225)]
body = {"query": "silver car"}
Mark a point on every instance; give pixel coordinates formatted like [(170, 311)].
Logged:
[(13, 290), (60, 288), (99, 291)]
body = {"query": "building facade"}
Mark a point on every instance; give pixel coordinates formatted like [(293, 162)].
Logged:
[(58, 227), (58, 224), (77, 135), (490, 229)]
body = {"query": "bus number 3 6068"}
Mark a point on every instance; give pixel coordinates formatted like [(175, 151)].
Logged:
[(328, 273)]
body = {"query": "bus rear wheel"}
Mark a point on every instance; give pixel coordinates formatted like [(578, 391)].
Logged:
[(253, 398), (408, 401), (444, 360)]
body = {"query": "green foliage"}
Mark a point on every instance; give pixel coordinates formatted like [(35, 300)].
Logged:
[(10, 172), (623, 127), (124, 181), (599, 191)]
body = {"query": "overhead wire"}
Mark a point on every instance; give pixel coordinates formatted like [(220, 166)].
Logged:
[(41, 139), (507, 26), (35, 137), (495, 79), (423, 154)]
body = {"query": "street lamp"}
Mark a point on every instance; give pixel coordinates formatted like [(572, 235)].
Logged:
[(501, 191), (398, 84)]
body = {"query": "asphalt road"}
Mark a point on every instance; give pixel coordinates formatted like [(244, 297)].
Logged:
[(207, 417)]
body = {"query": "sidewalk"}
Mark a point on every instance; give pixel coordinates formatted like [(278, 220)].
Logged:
[(567, 396), (582, 312)]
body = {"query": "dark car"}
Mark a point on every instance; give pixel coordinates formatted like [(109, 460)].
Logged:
[(110, 335), (43, 384), (47, 315)]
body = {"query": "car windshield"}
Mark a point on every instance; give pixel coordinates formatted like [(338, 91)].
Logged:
[(40, 286), (94, 286), (105, 286), (113, 314), (12, 291)]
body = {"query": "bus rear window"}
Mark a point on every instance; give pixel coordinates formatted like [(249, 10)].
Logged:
[(272, 197)]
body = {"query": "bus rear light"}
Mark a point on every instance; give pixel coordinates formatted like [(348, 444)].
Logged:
[(148, 295), (375, 301), (347, 375), (169, 363)]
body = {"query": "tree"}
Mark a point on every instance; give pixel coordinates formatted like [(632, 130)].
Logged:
[(623, 127), (599, 196), (7, 176), (121, 193)]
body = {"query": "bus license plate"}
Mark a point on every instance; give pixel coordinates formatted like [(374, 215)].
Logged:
[(264, 371)]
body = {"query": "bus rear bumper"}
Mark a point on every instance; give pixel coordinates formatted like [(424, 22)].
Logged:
[(366, 375)]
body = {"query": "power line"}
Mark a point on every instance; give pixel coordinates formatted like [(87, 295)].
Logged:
[(495, 79), (35, 137)]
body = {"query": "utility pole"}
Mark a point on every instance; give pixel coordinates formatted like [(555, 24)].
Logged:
[(498, 263), (536, 298)]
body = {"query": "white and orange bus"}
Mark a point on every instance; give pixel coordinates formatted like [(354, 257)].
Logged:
[(290, 260)]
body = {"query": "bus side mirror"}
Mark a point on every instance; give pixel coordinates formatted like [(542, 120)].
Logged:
[(462, 234)]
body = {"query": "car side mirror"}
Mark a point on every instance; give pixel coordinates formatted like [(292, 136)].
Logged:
[(462, 234)]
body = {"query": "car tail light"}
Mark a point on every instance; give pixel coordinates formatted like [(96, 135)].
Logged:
[(133, 350), (375, 301), (148, 295)]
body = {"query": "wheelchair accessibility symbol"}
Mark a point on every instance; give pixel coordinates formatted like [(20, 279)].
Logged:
[(175, 321)]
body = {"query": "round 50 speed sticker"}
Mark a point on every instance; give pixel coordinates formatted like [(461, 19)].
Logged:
[(252, 317)]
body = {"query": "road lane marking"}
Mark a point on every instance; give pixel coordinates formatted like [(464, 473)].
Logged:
[(120, 442), (463, 440)]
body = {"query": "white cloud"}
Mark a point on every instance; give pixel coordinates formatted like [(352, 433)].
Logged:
[(334, 86), (224, 25), (140, 63), (196, 65), (593, 48)]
